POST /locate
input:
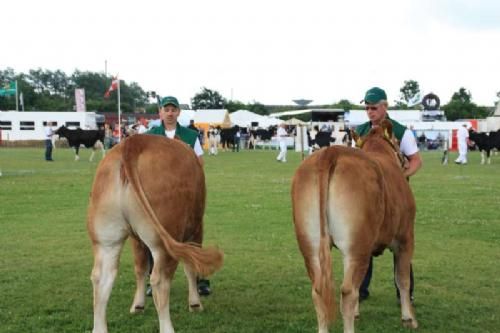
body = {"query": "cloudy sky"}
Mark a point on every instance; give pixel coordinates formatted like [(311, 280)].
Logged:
[(268, 51)]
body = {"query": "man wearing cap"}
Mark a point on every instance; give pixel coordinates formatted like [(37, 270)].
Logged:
[(169, 127), (376, 108)]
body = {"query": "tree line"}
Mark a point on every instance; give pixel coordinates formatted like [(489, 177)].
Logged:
[(46, 90)]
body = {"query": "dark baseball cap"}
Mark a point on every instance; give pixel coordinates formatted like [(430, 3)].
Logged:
[(375, 95), (169, 100)]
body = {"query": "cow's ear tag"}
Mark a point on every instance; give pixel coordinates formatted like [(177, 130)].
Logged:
[(386, 133)]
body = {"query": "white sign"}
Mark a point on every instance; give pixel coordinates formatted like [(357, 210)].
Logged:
[(80, 100)]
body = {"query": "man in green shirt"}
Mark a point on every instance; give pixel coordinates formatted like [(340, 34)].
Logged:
[(169, 127), (376, 108)]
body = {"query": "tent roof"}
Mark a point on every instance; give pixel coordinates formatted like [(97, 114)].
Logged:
[(294, 121), (296, 112), (215, 117), (244, 118)]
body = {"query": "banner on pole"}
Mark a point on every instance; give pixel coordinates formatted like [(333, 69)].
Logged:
[(9, 89), (80, 100)]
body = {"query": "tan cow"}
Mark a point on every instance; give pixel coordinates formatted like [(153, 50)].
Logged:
[(152, 189), (359, 201)]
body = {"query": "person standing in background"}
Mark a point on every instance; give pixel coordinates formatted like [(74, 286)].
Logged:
[(48, 141), (282, 135), (463, 141)]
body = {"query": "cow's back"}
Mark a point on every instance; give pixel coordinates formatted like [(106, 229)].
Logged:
[(400, 205)]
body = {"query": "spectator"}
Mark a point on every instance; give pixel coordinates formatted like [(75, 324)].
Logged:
[(48, 141), (108, 136), (282, 135)]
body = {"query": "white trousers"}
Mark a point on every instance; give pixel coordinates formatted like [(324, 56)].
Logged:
[(282, 155), (462, 152)]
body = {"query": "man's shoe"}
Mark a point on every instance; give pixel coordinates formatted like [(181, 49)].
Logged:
[(363, 296), (149, 291), (204, 287)]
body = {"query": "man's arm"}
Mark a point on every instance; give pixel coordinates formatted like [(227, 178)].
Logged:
[(414, 164), (198, 150)]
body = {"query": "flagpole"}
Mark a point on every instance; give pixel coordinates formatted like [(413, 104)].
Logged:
[(17, 99), (119, 112)]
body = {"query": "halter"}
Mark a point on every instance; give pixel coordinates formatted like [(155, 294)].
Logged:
[(360, 143)]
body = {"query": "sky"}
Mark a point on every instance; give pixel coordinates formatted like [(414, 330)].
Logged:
[(265, 51)]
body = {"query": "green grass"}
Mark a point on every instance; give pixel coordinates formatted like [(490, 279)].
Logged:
[(46, 257)]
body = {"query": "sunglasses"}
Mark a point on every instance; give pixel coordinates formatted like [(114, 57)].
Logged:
[(371, 107)]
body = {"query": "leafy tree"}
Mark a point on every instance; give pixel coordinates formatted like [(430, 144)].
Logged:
[(208, 99), (54, 91), (233, 106), (258, 108), (462, 107), (409, 91), (345, 105)]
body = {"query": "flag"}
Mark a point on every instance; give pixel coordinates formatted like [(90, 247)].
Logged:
[(9, 89), (114, 86)]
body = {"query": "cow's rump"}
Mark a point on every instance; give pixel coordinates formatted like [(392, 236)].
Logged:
[(359, 201), (153, 189)]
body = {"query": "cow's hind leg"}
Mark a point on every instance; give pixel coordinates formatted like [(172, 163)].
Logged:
[(403, 260), (92, 155), (354, 271), (161, 278), (322, 299), (141, 267), (106, 259)]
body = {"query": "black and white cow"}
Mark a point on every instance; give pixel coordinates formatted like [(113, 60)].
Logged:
[(485, 142), (88, 138)]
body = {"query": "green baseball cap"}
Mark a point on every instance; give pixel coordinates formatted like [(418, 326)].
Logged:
[(374, 95), (169, 100)]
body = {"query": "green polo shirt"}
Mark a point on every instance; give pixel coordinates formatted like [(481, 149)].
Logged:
[(185, 134), (397, 129)]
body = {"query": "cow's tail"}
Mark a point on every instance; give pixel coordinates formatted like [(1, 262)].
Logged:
[(204, 261), (325, 285)]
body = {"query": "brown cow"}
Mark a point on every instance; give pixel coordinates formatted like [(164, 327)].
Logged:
[(152, 189), (360, 202)]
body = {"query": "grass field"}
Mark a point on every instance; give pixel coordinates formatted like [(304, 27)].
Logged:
[(46, 257)]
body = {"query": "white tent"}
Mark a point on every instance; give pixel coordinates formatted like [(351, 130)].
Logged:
[(294, 121), (218, 117), (270, 121), (244, 118), (185, 117)]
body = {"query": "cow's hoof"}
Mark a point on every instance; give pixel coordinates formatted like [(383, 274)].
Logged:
[(137, 309), (409, 323), (195, 308)]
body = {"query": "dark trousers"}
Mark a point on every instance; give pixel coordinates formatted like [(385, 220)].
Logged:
[(363, 289), (48, 150), (236, 146)]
